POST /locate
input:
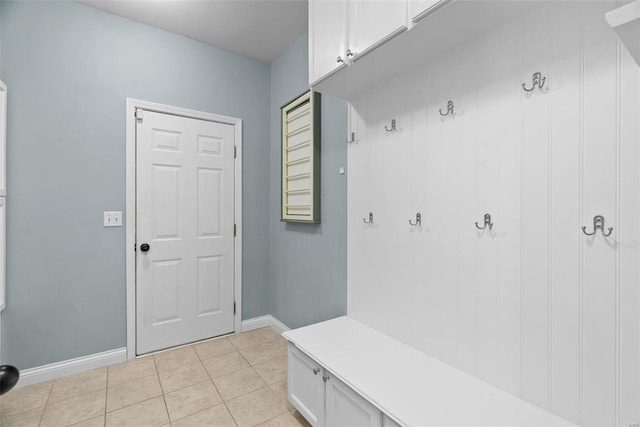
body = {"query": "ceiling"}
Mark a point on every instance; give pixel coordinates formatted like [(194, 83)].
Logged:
[(261, 29)]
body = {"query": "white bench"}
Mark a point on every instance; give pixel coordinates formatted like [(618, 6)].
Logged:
[(342, 372)]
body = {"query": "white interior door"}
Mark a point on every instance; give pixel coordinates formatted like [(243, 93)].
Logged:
[(185, 230)]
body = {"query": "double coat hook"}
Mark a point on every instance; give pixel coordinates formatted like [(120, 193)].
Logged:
[(393, 126), (537, 80), (353, 138), (418, 220), (487, 223), (449, 109), (598, 224), (370, 219)]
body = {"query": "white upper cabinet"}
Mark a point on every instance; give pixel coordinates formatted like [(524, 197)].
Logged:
[(372, 22), (327, 38), (418, 9), (374, 47), (341, 31)]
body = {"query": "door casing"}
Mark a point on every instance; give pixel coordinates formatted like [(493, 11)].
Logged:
[(130, 217)]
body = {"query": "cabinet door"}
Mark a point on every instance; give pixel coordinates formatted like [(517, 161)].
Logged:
[(372, 22), (305, 386), (346, 408), (327, 38), (418, 9)]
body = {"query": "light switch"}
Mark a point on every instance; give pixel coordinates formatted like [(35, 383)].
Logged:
[(341, 170), (112, 218)]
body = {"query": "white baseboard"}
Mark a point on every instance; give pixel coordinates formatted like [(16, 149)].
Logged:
[(71, 366), (256, 323), (263, 322), (111, 357), (278, 325)]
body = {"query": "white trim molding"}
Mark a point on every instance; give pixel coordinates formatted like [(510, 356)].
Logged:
[(131, 106), (263, 322), (71, 366), (98, 360)]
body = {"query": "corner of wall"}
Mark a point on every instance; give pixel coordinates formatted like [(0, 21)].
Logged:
[(301, 288)]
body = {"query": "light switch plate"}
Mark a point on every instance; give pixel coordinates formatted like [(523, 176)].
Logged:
[(341, 170), (112, 218)]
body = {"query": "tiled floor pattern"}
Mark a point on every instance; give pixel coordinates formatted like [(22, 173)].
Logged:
[(239, 380)]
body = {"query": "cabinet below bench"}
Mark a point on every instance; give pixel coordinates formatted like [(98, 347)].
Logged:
[(323, 399), (343, 373)]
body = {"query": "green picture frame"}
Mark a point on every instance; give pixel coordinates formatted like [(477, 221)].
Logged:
[(300, 193)]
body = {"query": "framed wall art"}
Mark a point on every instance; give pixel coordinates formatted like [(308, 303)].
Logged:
[(301, 159)]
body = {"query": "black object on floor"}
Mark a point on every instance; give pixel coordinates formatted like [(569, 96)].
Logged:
[(9, 376)]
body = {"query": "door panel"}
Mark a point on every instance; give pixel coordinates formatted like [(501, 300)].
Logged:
[(209, 199), (327, 38), (372, 22), (185, 199), (346, 408), (209, 298), (305, 389)]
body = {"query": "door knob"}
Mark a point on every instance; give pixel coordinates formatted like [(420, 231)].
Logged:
[(144, 247)]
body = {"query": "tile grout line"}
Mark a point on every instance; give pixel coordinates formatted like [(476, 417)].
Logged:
[(166, 408), (135, 403), (216, 387), (224, 401), (279, 415), (267, 385), (162, 391), (106, 396), (46, 403)]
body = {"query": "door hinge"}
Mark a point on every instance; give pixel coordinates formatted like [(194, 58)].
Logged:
[(138, 113), (135, 247), (235, 151), (234, 230), (234, 307)]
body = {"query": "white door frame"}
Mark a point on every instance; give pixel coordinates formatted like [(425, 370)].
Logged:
[(130, 219)]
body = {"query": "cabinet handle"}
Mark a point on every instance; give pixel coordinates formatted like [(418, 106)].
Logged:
[(316, 371), (325, 378), (349, 53), (339, 60)]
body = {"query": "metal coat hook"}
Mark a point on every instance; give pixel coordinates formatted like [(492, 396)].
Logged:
[(353, 138), (418, 220), (538, 80), (598, 224), (393, 126), (449, 109), (487, 223), (370, 219)]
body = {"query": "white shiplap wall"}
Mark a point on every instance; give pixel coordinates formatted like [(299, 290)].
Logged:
[(534, 307)]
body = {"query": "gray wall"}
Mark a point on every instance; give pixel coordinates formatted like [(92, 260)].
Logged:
[(69, 69), (308, 262)]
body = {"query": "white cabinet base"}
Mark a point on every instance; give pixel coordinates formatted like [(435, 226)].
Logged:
[(370, 375), (305, 387), (346, 408)]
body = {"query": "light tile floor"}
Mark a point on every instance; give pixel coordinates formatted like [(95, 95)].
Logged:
[(239, 380)]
